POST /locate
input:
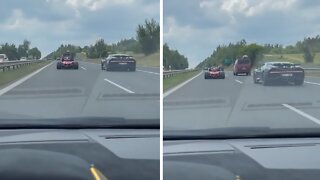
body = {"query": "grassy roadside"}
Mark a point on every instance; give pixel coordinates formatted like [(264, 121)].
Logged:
[(312, 73), (152, 60), (294, 58), (171, 82), (7, 77)]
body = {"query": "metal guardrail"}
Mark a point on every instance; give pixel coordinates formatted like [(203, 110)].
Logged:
[(167, 74), (8, 65)]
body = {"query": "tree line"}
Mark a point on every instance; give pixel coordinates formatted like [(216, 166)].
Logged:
[(147, 41), (172, 59), (223, 53), (23, 50)]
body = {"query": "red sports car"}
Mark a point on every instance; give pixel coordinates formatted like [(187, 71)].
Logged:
[(215, 73), (67, 62)]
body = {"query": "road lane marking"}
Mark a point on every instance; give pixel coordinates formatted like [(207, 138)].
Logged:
[(148, 72), (167, 93), (302, 113), (312, 83), (238, 81), (119, 86), (83, 68), (20, 81)]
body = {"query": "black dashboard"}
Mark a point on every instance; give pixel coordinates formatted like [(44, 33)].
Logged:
[(253, 159), (73, 154)]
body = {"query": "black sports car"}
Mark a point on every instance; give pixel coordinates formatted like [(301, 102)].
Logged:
[(286, 72), (214, 73), (119, 62), (67, 62)]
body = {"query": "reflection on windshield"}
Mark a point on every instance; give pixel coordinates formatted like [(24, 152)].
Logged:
[(272, 78), (69, 74)]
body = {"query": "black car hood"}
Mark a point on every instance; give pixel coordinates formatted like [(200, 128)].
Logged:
[(253, 159)]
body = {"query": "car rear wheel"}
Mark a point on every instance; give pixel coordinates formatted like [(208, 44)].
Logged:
[(298, 82), (133, 69), (254, 79), (265, 81)]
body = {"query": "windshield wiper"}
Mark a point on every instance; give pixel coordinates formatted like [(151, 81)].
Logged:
[(241, 133), (80, 123)]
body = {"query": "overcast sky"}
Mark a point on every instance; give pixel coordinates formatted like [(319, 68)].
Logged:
[(196, 27), (49, 23)]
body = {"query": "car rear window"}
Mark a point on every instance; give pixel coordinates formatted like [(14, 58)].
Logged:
[(2, 56), (244, 61), (282, 65)]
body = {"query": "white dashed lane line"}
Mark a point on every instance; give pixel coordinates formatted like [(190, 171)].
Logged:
[(238, 81), (312, 83), (148, 72), (302, 113), (83, 68), (119, 86)]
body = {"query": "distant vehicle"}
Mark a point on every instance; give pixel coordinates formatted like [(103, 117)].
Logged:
[(67, 62), (23, 59), (58, 59), (119, 62), (215, 73), (286, 72), (3, 58), (242, 66)]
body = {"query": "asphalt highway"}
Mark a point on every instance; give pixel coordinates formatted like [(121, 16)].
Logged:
[(88, 91), (237, 102)]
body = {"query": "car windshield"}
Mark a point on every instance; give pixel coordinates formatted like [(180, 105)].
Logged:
[(52, 33), (244, 61), (244, 100), (1, 56)]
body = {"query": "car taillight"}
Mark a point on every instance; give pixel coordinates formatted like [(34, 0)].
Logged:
[(274, 71)]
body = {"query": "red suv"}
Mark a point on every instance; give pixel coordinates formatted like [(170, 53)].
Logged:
[(242, 66)]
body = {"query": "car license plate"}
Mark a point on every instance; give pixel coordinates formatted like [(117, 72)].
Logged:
[(286, 75), (123, 63)]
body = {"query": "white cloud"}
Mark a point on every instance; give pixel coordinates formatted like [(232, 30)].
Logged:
[(257, 21), (247, 7), (197, 43), (94, 5), (18, 22)]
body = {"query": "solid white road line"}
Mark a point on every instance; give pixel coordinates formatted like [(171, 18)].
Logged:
[(312, 83), (20, 81), (302, 113), (238, 81), (148, 72), (83, 68), (119, 86), (167, 93)]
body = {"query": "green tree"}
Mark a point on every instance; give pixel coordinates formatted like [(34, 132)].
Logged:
[(148, 36), (308, 46), (173, 59), (35, 53), (10, 50)]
